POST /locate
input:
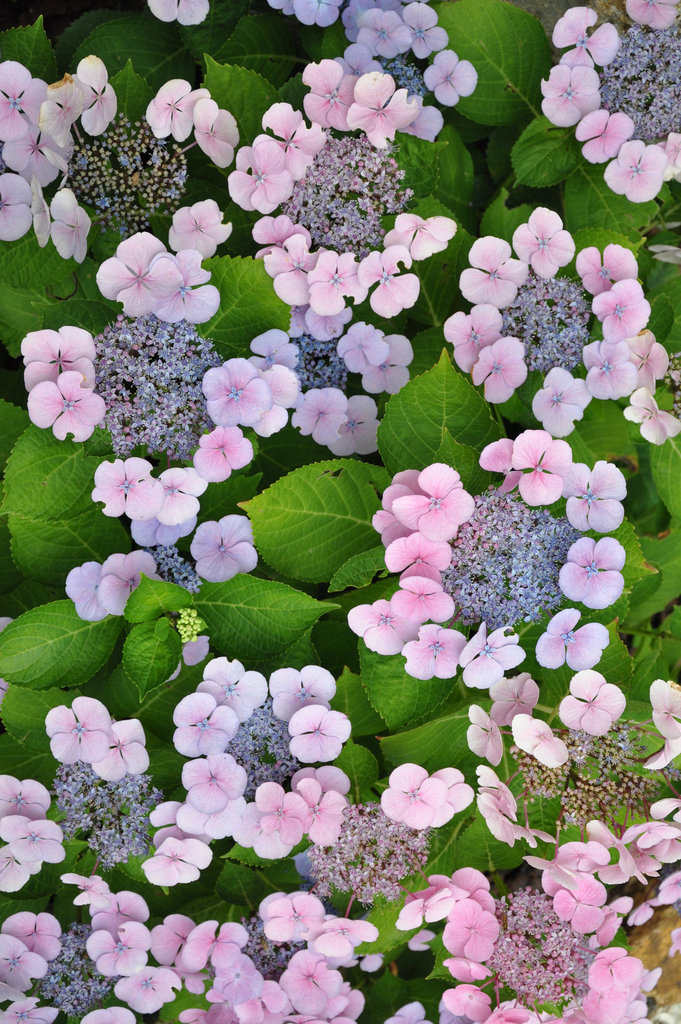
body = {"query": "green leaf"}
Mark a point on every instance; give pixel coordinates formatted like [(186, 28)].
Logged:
[(307, 524), (510, 52), (74, 34), (151, 653), (243, 92), (236, 883), (439, 274), (47, 551), (544, 154), (154, 47), (466, 461), (590, 203), (419, 159), (417, 418), (665, 462), (48, 479), (13, 422), (134, 94), (361, 767), (248, 304), (222, 498), (23, 715), (252, 619), (455, 183), (264, 43), (351, 699), (359, 569), (92, 316), (661, 317), (383, 916), (52, 646), (155, 597), (501, 221), (29, 45), (23, 264), (22, 763), (477, 848), (434, 745), (210, 34), (396, 696), (603, 433)]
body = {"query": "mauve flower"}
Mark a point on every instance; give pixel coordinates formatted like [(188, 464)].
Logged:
[(290, 917), (288, 265), (330, 96), (48, 353), (383, 32), (650, 359), (470, 931), (325, 810), (638, 171), (581, 648), (593, 704), (358, 60), (70, 226), (99, 98), (318, 734), (441, 507), (569, 94), (292, 689), (395, 290), (450, 78), (21, 97), (170, 111), (122, 954), (537, 738), (421, 237), (511, 697), (603, 134), (121, 574), (415, 555), (656, 425), (268, 184), (27, 797), (561, 400), (571, 30), (582, 907), (186, 302), (655, 13), (436, 652), (32, 840), (320, 412), (427, 124), (379, 109), (331, 280), (273, 348), (128, 277), (390, 373), (203, 725), (598, 274), (299, 143), (18, 965), (412, 797), (127, 753), (471, 332), (543, 242), (314, 12), (152, 987), (362, 346), (15, 205), (591, 574), (236, 393), (309, 983), (421, 598), (199, 227), (623, 310), (66, 406), (215, 132), (212, 782), (610, 370), (426, 35), (78, 733), (594, 497), (221, 451), (494, 277), (549, 462), (61, 109), (185, 12), (485, 658), (40, 932), (181, 490), (483, 735), (224, 548), (501, 368)]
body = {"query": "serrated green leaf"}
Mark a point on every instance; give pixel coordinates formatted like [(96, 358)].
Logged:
[(74, 34), (434, 745), (590, 203), (52, 646), (133, 93), (419, 159), (48, 479), (263, 43), (23, 715), (252, 619), (510, 52), (29, 45), (243, 92), (209, 35), (477, 848), (90, 315), (455, 183), (153, 598), (439, 274), (544, 154), (351, 699), (603, 433), (359, 569), (23, 763), (466, 461), (248, 304), (361, 767), (501, 221), (665, 462), (661, 317), (417, 418), (310, 522), (154, 47), (151, 653), (397, 697), (24, 265), (13, 422), (47, 551), (237, 883)]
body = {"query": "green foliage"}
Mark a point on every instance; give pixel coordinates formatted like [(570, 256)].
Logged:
[(261, 42), (239, 884), (501, 221), (153, 598), (351, 699), (437, 744), (310, 522), (47, 551), (397, 697), (134, 94), (361, 767), (248, 305), (419, 159), (544, 154), (29, 45), (48, 479), (510, 52), (209, 35), (359, 569), (151, 653), (417, 418), (665, 462), (154, 47), (23, 715), (243, 92), (589, 202), (13, 422)]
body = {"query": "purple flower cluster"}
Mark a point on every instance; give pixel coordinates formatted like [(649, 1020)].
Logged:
[(551, 318), (72, 982), (261, 746)]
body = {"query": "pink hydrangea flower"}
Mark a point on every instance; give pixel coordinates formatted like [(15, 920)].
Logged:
[(383, 32), (325, 809), (15, 205), (315, 12), (450, 78), (599, 273), (390, 374), (485, 658), (176, 861), (537, 738), (594, 497), (28, 797), (543, 242), (592, 572), (299, 143), (187, 302), (362, 346), (501, 368), (623, 310), (99, 98), (470, 931), (320, 412), (170, 111), (494, 277), (273, 348), (548, 462), (18, 965), (358, 434), (666, 704), (152, 987), (656, 425), (436, 652), (121, 574), (40, 933), (441, 507), (66, 405), (331, 280), (229, 683), (79, 733), (61, 109), (637, 172), (212, 782), (331, 94), (203, 726), (288, 265), (581, 648), (269, 182), (122, 954), (471, 332), (21, 97), (379, 109), (215, 131), (181, 488), (582, 906), (289, 917), (593, 704), (339, 936), (650, 359), (127, 754), (395, 290), (603, 134), (655, 13), (483, 735), (32, 840), (569, 94), (236, 393), (511, 697), (282, 813), (199, 227), (421, 237), (426, 35), (318, 734), (358, 60), (48, 353), (561, 401), (414, 555), (309, 983), (610, 370), (221, 451), (571, 30), (128, 277), (421, 599), (292, 689), (70, 226)]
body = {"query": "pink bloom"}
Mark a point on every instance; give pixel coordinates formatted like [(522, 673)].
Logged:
[(450, 78), (496, 277), (591, 574), (459, 795), (203, 726), (170, 111), (656, 425), (181, 488), (229, 683), (384, 32), (656, 13), (291, 917), (441, 507), (380, 110), (288, 265), (99, 98), (314, 12), (622, 310), (537, 738), (426, 36), (199, 227), (94, 892), (66, 406), (320, 412), (127, 753), (330, 96), (21, 97), (318, 734), (512, 697), (593, 704), (18, 966), (485, 659), (128, 277), (598, 274), (471, 931), (220, 452), (325, 811), (603, 134), (501, 367), (121, 574), (175, 861), (483, 735), (650, 359), (543, 243), (561, 400), (79, 733), (15, 206), (212, 782), (471, 332), (395, 291), (40, 933), (112, 1014), (384, 521), (300, 144), (362, 347), (309, 983), (418, 556), (436, 653), (236, 393), (195, 305), (610, 370), (49, 353), (61, 109), (282, 813), (549, 462), (637, 172), (28, 797), (421, 237), (332, 279), (390, 373), (420, 599), (358, 60), (357, 435), (569, 94), (594, 498), (292, 689), (571, 30), (581, 648), (666, 704), (152, 987), (215, 131), (582, 907), (122, 954), (269, 184), (70, 226), (273, 348), (31, 840), (468, 1001)]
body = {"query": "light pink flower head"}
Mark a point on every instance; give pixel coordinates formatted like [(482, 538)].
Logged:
[(70, 226), (513, 696), (650, 359), (390, 373), (593, 704), (199, 227), (548, 462), (229, 683), (220, 452), (67, 406), (21, 97), (203, 726), (383, 32), (494, 277), (537, 738), (299, 143), (412, 797), (99, 98), (331, 280), (49, 353), (599, 273), (236, 393), (379, 109), (571, 30), (381, 628), (422, 237), (638, 171), (470, 931), (215, 131), (580, 648), (656, 425), (330, 96), (318, 734), (177, 861), (483, 735), (79, 733), (320, 412), (594, 497), (261, 180), (501, 368), (127, 753), (486, 658), (170, 111), (181, 488), (471, 332), (611, 372), (450, 78), (436, 652), (544, 243), (128, 277), (603, 134), (592, 572), (623, 310), (569, 94), (394, 289), (421, 599), (655, 13), (561, 401), (292, 689), (127, 486), (441, 507)]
